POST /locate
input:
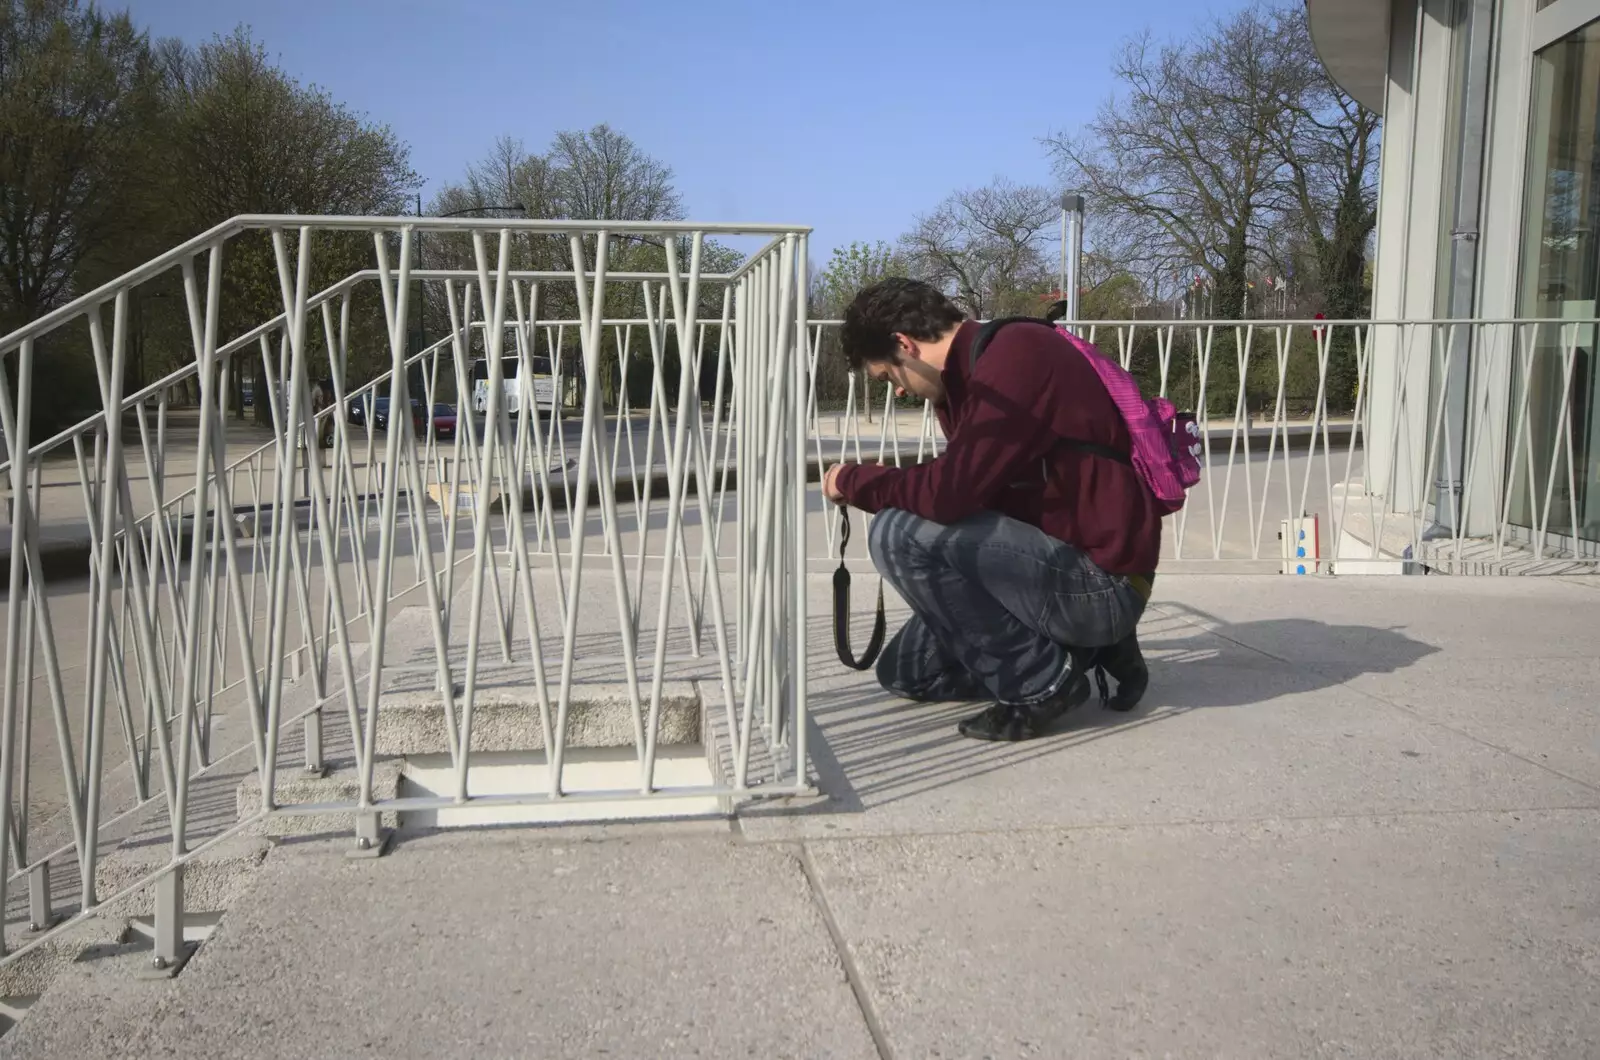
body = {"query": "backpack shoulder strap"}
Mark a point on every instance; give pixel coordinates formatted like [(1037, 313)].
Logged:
[(1097, 449), (981, 341)]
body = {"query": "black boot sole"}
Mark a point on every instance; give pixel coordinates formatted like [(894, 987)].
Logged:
[(1008, 723)]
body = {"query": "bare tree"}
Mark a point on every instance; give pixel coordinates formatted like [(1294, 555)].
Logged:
[(1183, 163), (1328, 144), (985, 246), (507, 175), (595, 174), (602, 174)]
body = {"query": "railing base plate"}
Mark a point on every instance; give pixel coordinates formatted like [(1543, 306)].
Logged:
[(371, 848), (36, 932), (167, 969)]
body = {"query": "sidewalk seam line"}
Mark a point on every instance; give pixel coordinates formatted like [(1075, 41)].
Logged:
[(1479, 740), (852, 973), (1194, 822)]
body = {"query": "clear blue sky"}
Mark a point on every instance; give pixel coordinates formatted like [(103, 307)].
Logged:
[(851, 117)]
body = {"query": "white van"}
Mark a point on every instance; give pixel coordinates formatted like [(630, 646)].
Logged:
[(542, 383)]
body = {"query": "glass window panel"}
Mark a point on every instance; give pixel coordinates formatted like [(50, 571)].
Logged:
[(1560, 278)]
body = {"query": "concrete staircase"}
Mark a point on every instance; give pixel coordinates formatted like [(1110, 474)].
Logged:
[(509, 754)]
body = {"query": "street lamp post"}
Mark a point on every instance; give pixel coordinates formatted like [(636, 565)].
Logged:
[(1071, 252)]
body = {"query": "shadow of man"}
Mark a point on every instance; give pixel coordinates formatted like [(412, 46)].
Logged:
[(1316, 654), (869, 745)]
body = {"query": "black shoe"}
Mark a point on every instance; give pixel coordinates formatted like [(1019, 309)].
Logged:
[(1002, 722), (1125, 662), (1010, 722)]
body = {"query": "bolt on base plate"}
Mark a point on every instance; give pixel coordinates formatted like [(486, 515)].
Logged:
[(156, 968), (365, 848), (36, 930)]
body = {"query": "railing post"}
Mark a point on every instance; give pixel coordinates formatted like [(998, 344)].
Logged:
[(315, 766), (16, 427), (372, 839), (41, 917), (801, 612), (171, 951)]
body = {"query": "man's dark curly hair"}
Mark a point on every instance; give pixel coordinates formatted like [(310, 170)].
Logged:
[(896, 304)]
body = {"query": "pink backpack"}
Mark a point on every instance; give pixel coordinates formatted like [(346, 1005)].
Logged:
[(1166, 443)]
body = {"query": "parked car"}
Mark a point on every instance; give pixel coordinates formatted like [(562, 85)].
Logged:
[(444, 422)]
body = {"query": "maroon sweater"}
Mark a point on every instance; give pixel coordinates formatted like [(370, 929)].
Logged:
[(1030, 389)]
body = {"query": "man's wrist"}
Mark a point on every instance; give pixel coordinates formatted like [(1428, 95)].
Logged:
[(841, 481)]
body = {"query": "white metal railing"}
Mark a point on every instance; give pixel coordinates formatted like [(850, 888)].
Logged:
[(230, 570), (1496, 417), (1484, 413)]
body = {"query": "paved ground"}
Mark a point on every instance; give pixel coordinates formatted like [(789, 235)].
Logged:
[(1355, 817)]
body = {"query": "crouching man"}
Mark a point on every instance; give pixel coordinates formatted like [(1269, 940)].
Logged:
[(1028, 548)]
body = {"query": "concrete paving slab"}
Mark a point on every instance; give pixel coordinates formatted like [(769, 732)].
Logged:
[(1226, 732), (212, 881), (1492, 618), (1509, 661), (1542, 709), (293, 786), (1437, 935), (32, 974), (493, 944)]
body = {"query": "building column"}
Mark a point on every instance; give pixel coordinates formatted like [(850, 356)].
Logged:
[(1411, 198)]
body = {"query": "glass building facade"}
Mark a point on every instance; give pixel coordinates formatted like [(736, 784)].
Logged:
[(1506, 93), (1560, 277)]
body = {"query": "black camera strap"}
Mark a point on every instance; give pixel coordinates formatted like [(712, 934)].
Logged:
[(841, 608)]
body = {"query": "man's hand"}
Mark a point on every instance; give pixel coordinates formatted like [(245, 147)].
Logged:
[(830, 484)]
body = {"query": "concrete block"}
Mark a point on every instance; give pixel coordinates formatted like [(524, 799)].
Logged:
[(29, 975), (294, 787), (213, 880), (507, 719)]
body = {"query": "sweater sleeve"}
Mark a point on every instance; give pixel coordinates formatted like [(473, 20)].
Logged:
[(1004, 428)]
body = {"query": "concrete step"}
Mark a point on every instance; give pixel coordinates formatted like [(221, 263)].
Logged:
[(295, 787), (212, 881), (27, 977), (13, 1009), (507, 719)]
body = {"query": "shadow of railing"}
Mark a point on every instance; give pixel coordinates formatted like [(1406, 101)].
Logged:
[(870, 749)]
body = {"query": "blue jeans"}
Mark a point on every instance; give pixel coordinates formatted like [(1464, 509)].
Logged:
[(997, 607)]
